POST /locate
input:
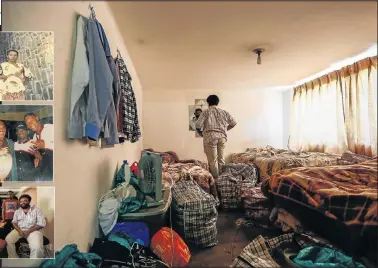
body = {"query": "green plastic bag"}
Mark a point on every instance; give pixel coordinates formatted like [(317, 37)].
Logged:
[(71, 257), (316, 256)]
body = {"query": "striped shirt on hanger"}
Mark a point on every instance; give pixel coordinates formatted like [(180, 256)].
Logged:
[(27, 220)]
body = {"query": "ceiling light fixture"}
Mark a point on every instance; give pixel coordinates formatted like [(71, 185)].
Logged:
[(259, 51)]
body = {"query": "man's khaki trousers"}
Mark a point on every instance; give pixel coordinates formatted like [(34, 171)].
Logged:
[(215, 156), (35, 240)]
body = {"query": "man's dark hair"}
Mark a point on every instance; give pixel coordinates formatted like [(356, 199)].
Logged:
[(212, 100), (26, 196), (198, 110), (12, 50), (30, 114), (14, 196)]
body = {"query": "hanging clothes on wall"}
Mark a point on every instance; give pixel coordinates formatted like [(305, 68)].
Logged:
[(128, 121), (111, 63), (119, 108), (101, 110), (115, 84), (94, 85), (102, 101), (79, 83)]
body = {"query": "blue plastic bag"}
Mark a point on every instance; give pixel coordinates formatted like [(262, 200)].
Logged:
[(136, 230)]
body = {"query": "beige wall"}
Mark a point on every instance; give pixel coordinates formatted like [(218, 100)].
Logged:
[(46, 203), (165, 117), (82, 174)]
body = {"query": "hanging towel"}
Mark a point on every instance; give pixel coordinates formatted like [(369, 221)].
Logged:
[(130, 126)]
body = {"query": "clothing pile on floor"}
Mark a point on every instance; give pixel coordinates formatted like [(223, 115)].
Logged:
[(296, 247), (123, 249), (126, 197), (164, 249), (293, 250), (194, 214)]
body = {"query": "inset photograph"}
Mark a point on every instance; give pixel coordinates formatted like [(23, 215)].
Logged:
[(27, 222), (26, 66), (26, 143), (1, 3), (195, 112)]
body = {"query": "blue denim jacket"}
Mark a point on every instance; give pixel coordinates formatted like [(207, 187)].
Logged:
[(111, 62), (116, 86), (13, 175), (79, 83), (100, 103)]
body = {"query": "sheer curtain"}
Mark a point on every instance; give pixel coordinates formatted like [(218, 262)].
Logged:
[(359, 88), (337, 111), (317, 116)]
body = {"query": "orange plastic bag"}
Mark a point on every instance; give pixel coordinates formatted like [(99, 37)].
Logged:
[(161, 245), (3, 244)]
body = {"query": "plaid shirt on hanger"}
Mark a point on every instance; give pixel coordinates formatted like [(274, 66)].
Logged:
[(130, 126)]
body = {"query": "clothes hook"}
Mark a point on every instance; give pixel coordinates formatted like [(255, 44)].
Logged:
[(93, 14), (118, 52)]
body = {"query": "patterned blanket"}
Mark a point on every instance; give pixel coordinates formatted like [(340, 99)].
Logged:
[(270, 160), (175, 170), (346, 193)]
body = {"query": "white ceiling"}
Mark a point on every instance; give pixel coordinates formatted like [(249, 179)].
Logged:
[(205, 45)]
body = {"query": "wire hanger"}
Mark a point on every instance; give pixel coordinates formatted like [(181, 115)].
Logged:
[(93, 13), (118, 53)]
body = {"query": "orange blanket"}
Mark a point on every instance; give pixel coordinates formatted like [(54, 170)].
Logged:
[(346, 193)]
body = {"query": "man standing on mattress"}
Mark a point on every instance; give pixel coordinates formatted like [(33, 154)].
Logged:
[(213, 125)]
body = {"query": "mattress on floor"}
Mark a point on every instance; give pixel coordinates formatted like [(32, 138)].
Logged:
[(231, 184), (195, 214)]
